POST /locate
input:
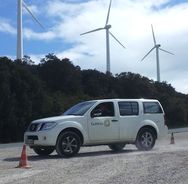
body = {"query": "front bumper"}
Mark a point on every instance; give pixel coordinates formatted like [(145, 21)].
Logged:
[(40, 138)]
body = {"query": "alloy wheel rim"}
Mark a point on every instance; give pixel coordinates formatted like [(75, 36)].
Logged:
[(147, 139), (69, 144)]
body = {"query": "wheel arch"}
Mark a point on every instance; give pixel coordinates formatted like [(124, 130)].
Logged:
[(148, 127), (75, 130)]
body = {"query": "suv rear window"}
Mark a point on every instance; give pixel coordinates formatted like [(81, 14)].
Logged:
[(152, 108), (128, 108)]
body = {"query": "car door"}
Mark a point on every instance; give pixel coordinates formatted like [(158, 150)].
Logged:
[(103, 123), (129, 119)]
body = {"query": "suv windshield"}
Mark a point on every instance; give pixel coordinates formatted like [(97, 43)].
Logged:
[(80, 109)]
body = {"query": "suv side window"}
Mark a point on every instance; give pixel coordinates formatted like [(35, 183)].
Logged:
[(152, 108), (128, 108), (103, 109)]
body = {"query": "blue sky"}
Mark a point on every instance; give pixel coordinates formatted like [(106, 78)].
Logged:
[(65, 20)]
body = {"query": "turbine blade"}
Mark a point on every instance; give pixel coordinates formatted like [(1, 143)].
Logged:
[(117, 40), (148, 53), (107, 19), (153, 34), (25, 6), (166, 51), (92, 31)]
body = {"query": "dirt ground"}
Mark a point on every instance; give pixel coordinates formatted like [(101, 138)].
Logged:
[(165, 164)]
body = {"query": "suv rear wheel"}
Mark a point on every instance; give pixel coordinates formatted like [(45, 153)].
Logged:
[(145, 139), (68, 144)]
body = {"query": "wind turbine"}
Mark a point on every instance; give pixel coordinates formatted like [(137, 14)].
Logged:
[(157, 47), (106, 27), (21, 4)]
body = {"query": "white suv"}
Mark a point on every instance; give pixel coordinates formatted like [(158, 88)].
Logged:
[(112, 122)]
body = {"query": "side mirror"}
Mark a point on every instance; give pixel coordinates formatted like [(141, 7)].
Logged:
[(96, 113)]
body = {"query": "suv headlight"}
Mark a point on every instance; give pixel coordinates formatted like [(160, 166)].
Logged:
[(47, 125)]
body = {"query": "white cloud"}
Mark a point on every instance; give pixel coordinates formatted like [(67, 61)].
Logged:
[(34, 9), (30, 34), (6, 27), (36, 58)]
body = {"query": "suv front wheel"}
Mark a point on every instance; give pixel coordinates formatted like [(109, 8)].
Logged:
[(145, 139), (68, 144)]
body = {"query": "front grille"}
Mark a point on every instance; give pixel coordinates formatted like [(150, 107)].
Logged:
[(34, 127), (32, 137)]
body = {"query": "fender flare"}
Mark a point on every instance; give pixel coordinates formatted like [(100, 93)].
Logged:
[(72, 125), (149, 123)]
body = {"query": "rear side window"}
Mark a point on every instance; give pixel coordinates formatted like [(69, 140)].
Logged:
[(128, 108), (152, 108)]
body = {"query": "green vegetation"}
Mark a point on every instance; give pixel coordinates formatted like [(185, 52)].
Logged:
[(29, 92)]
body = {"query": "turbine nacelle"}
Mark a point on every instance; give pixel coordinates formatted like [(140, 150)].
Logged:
[(107, 27), (158, 45)]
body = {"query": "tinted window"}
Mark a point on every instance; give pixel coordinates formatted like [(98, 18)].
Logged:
[(152, 107), (103, 109), (128, 108)]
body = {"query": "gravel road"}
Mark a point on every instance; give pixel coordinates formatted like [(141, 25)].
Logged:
[(165, 164)]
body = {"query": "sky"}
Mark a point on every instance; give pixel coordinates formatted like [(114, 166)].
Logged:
[(65, 20)]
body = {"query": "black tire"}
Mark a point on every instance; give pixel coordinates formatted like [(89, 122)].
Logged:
[(145, 139), (117, 147), (68, 144), (43, 151)]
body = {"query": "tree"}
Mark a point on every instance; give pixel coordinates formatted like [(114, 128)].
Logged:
[(61, 75)]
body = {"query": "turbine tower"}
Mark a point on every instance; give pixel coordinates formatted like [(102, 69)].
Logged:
[(157, 47), (19, 27), (19, 31), (106, 27)]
